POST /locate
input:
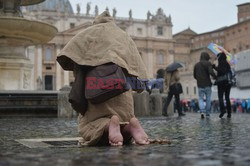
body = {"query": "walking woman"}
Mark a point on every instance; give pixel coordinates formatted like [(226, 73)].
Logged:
[(223, 84), (172, 79)]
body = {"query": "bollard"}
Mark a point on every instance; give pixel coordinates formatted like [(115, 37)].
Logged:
[(155, 101), (64, 107), (141, 103), (170, 109)]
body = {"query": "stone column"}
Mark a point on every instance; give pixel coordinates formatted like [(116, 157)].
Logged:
[(150, 64), (155, 101), (66, 78), (39, 73), (58, 71), (141, 103), (64, 109)]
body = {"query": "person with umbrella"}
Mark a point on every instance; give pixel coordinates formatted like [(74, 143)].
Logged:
[(223, 84), (202, 71), (173, 87)]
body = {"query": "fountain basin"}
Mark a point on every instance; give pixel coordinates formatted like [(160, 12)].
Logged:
[(16, 31), (30, 2)]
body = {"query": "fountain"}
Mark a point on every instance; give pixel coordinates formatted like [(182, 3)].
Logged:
[(16, 34)]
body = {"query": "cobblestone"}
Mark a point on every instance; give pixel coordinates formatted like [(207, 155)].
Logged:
[(195, 141)]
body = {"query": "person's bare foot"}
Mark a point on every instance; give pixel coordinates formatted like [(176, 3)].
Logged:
[(137, 132), (115, 136)]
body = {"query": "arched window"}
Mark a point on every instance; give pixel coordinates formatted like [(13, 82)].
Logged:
[(160, 58), (48, 54), (159, 30)]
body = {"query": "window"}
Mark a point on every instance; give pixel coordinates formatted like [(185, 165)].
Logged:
[(195, 90), (139, 31), (214, 34), (48, 55), (187, 90), (159, 30), (160, 58), (48, 68), (72, 25)]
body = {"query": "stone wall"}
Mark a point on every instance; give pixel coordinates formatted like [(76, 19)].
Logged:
[(145, 104)]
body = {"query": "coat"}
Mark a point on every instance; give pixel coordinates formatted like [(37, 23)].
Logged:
[(101, 43), (203, 70), (171, 78)]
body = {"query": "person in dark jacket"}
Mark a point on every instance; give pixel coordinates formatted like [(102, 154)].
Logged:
[(223, 85), (202, 71)]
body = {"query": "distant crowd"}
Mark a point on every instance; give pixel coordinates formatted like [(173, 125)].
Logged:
[(237, 105)]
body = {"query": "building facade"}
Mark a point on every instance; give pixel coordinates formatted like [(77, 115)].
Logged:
[(153, 37), (234, 38)]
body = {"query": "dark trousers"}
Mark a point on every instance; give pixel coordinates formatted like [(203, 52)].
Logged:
[(224, 90), (177, 101)]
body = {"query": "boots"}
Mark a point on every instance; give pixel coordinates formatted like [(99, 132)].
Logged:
[(182, 114), (222, 112)]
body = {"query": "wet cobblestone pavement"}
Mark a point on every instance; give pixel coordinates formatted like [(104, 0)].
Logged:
[(195, 141)]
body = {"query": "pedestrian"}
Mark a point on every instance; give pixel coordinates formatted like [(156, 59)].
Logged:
[(223, 85), (202, 71), (243, 105), (234, 105), (111, 122), (248, 105), (173, 88), (193, 105)]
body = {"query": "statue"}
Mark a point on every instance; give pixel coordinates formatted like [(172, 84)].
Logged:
[(148, 15), (96, 10), (130, 14), (78, 8), (160, 11), (39, 82), (170, 19), (107, 9), (88, 8), (26, 80), (114, 12)]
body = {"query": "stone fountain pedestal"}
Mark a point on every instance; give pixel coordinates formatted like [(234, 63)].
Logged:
[(15, 69), (16, 33)]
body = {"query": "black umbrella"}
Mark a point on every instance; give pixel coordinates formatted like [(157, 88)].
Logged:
[(173, 66)]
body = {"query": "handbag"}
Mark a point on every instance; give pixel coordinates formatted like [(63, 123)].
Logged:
[(176, 88), (105, 82), (229, 78)]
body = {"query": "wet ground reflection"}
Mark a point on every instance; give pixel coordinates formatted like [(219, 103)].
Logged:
[(194, 142)]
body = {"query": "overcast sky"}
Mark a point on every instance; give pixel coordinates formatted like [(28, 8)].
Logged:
[(200, 15)]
